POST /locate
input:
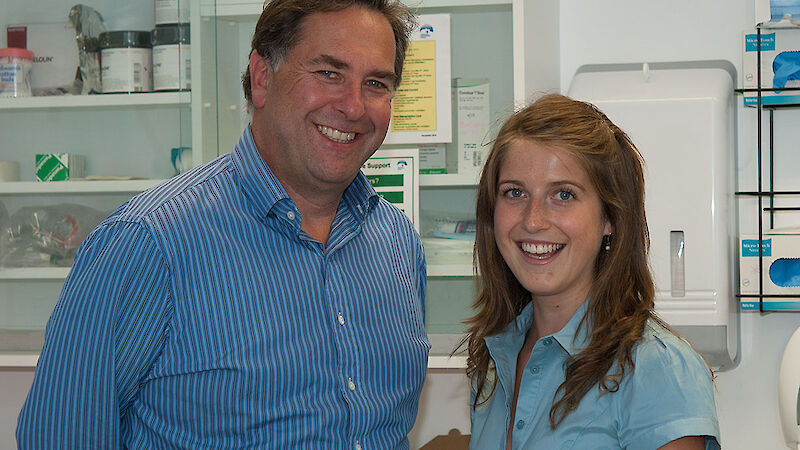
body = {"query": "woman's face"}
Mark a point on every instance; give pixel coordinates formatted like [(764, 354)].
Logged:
[(548, 221)]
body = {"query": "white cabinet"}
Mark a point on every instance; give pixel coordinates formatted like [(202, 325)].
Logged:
[(125, 139), (512, 43)]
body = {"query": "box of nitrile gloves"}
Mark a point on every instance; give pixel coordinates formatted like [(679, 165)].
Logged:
[(780, 67), (779, 268), (59, 166)]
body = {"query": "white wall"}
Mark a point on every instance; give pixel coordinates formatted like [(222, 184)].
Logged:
[(14, 385)]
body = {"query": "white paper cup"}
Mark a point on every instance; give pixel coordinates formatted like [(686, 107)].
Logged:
[(9, 171)]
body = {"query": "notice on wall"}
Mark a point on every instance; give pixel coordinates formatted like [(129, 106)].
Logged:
[(394, 174), (421, 105), (414, 104)]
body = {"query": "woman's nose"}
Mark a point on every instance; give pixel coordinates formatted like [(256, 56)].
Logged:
[(535, 217)]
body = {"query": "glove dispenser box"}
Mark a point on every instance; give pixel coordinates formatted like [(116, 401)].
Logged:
[(681, 116)]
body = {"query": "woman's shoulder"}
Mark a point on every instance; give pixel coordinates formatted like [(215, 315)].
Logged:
[(668, 395), (660, 349)]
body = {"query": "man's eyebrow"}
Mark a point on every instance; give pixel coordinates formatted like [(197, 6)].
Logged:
[(328, 59), (338, 64), (391, 77)]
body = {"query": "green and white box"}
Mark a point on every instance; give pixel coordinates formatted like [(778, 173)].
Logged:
[(59, 166), (471, 100)]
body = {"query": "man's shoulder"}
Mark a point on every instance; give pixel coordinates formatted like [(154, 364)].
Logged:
[(180, 194), (385, 213)]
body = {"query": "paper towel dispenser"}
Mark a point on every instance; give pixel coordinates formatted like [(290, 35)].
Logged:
[(681, 116), (788, 389)]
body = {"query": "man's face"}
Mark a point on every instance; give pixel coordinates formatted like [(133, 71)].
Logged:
[(327, 107)]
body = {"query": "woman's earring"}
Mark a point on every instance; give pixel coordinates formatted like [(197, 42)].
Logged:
[(606, 242)]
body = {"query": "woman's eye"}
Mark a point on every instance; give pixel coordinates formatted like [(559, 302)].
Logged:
[(565, 195), (513, 193)]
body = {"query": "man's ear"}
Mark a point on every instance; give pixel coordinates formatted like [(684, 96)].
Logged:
[(260, 72)]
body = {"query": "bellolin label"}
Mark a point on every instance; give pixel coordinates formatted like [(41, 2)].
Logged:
[(750, 247)]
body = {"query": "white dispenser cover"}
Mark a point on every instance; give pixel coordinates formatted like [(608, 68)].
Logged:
[(681, 117)]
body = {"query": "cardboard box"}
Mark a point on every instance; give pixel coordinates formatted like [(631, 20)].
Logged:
[(780, 66), (55, 55), (471, 119), (433, 159), (771, 12), (59, 166), (780, 268)]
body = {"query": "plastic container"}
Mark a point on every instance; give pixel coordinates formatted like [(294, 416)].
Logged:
[(15, 72), (171, 11), (172, 63), (126, 61)]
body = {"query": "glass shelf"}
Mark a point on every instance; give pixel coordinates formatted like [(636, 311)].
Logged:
[(242, 9), (34, 273), (97, 101), (77, 187), (450, 270)]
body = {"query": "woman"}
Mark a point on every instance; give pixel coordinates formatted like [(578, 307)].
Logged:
[(565, 350)]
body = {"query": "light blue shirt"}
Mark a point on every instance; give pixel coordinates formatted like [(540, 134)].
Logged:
[(669, 395), (199, 315)]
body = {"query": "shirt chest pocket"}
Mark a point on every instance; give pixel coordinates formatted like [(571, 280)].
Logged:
[(592, 426)]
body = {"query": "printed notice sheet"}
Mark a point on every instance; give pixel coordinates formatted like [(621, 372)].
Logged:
[(394, 174), (421, 105)]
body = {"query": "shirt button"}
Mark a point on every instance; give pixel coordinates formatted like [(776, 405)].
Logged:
[(290, 215), (547, 341), (520, 424), (350, 384), (340, 318), (358, 446), (534, 369)]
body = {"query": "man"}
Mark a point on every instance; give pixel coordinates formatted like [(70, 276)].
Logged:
[(269, 299)]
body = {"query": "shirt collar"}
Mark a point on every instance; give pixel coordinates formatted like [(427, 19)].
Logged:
[(566, 337), (264, 190)]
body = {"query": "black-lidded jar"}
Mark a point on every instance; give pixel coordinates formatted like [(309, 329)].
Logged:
[(126, 61), (172, 63)]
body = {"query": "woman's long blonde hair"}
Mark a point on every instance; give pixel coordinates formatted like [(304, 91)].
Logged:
[(621, 297)]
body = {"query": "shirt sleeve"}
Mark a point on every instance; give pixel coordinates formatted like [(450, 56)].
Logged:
[(105, 332), (422, 270), (669, 395)]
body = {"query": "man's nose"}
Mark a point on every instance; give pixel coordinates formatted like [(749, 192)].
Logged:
[(351, 101)]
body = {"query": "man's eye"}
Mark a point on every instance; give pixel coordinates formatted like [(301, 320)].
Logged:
[(326, 73), (377, 84)]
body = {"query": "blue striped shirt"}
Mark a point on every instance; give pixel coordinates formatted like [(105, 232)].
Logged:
[(199, 315)]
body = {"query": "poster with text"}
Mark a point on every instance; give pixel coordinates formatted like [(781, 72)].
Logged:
[(394, 174), (421, 104)]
